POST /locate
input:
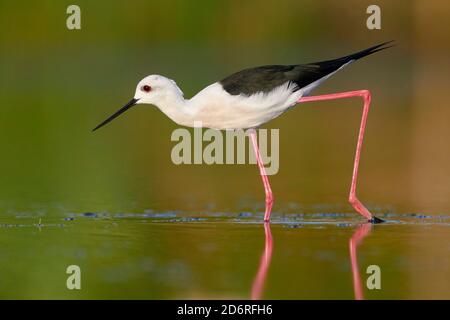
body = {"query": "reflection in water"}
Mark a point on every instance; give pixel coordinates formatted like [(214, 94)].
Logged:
[(359, 235), (266, 257)]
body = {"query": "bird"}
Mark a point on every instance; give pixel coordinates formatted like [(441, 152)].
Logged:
[(252, 97)]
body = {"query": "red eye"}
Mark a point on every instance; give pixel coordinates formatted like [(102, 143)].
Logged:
[(146, 88)]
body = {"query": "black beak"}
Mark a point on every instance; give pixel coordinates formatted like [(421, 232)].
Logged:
[(131, 103)]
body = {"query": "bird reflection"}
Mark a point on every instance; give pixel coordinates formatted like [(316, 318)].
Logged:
[(359, 235), (266, 257), (260, 279)]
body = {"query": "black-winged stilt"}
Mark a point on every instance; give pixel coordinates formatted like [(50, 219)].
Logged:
[(250, 98)]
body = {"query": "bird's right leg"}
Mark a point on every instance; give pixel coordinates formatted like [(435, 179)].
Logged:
[(262, 171), (365, 94)]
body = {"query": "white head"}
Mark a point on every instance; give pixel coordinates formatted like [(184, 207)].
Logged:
[(154, 89)]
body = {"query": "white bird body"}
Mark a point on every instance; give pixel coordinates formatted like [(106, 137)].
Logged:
[(215, 108)]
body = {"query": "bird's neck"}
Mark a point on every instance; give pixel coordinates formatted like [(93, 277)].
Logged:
[(177, 108)]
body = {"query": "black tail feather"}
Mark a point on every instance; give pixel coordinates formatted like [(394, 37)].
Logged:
[(320, 69), (266, 78), (305, 74), (355, 56), (366, 52)]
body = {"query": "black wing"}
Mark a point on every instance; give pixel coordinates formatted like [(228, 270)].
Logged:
[(266, 78)]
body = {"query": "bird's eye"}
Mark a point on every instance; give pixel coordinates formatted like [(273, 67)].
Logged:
[(146, 88)]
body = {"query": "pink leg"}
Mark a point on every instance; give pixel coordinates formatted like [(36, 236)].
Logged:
[(260, 279), (355, 240), (262, 171), (365, 94)]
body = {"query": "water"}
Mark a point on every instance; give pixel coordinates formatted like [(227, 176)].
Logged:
[(169, 255)]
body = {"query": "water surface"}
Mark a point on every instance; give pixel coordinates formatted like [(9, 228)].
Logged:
[(173, 255)]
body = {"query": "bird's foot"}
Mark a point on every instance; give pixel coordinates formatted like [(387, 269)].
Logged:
[(375, 220)]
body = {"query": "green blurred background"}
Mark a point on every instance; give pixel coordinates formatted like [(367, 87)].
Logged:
[(57, 84)]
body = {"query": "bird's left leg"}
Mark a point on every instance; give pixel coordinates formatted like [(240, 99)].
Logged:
[(262, 171), (365, 94)]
